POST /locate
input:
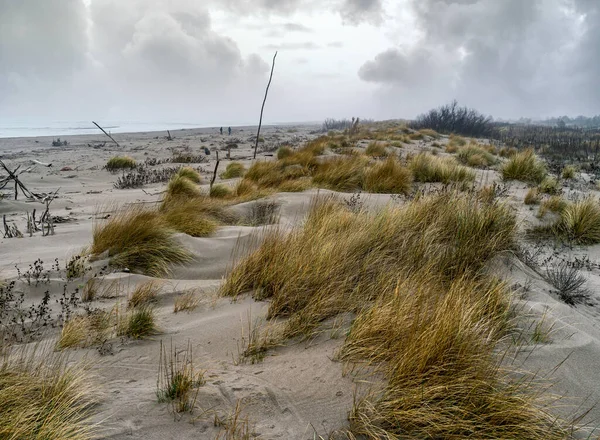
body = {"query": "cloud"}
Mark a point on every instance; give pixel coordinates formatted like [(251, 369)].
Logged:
[(336, 44), (358, 11), (307, 45), (134, 59), (508, 57), (295, 27)]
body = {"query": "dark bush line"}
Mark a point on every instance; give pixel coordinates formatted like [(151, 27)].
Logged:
[(451, 118)]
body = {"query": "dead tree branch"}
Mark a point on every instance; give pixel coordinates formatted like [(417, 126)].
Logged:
[(111, 138), (263, 105), (212, 181)]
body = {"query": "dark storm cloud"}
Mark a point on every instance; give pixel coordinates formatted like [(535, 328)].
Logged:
[(508, 57)]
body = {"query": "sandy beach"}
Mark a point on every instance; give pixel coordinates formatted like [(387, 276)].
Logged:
[(300, 390)]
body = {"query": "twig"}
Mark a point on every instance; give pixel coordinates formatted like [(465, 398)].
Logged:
[(263, 105), (111, 138), (41, 163), (215, 172)]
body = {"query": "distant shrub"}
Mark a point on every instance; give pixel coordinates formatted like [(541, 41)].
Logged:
[(550, 186), (451, 118)]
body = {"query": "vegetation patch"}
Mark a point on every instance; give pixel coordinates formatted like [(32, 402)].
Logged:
[(120, 163), (234, 169), (428, 168), (524, 166)]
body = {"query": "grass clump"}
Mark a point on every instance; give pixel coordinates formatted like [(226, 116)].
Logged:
[(120, 163), (475, 156), (138, 239), (554, 204), (180, 188), (185, 217), (550, 185), (297, 185), (178, 379), (220, 191), (532, 197), (234, 169), (569, 172), (580, 221), (137, 323), (507, 152), (376, 149), (43, 397), (389, 177), (190, 173), (524, 166), (430, 133), (188, 301), (283, 152), (428, 168), (144, 294), (341, 173)]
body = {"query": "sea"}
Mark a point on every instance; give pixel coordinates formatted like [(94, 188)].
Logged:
[(66, 128)]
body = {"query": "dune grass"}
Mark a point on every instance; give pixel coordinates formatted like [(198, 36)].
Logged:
[(137, 323), (507, 152), (185, 217), (44, 397), (144, 294), (532, 197), (376, 149), (428, 168), (475, 156), (120, 163), (390, 177), (139, 239), (178, 379), (554, 204), (344, 173), (221, 191), (190, 174), (524, 166), (427, 314), (550, 185), (180, 188), (233, 170), (580, 221), (283, 152), (569, 172), (294, 270), (188, 301), (430, 133)]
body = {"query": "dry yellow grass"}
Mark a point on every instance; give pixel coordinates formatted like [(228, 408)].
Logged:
[(390, 177), (188, 301), (221, 191), (181, 188), (138, 238), (376, 149), (475, 156), (43, 397), (428, 168), (554, 204), (233, 169), (119, 163), (343, 173), (580, 221), (144, 294), (427, 314), (190, 173), (525, 166), (569, 172), (532, 197)]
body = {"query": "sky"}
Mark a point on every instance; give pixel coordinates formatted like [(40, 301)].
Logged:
[(208, 61)]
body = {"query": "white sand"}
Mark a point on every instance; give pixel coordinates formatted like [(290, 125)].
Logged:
[(297, 389)]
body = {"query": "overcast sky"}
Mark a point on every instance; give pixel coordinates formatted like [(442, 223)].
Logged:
[(207, 61)]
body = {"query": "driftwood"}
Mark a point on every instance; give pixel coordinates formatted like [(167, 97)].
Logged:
[(11, 231), (212, 181), (169, 137), (111, 138), (263, 105), (41, 163), (14, 177)]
